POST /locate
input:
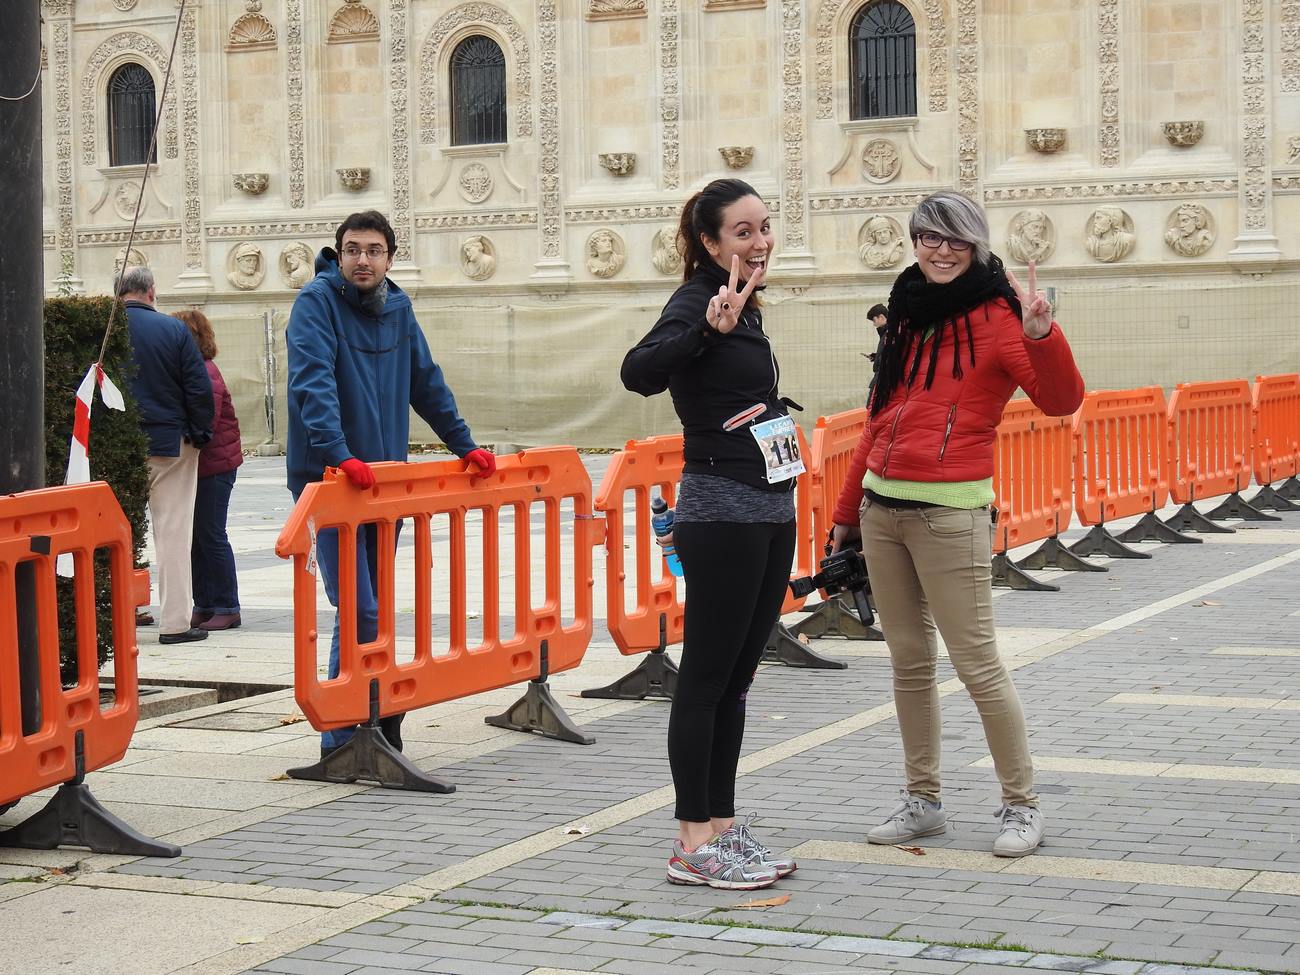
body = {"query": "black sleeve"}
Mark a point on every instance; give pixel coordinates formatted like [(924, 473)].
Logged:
[(680, 335)]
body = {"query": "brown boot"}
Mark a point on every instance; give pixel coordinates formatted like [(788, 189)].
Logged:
[(221, 621)]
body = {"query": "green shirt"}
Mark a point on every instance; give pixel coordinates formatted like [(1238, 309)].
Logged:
[(950, 494)]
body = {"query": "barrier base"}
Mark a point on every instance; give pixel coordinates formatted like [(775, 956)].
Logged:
[(1053, 555), (655, 676), (538, 712), (74, 817), (1270, 499), (1188, 519), (1098, 541), (834, 617), (369, 756), (1151, 529), (1007, 575), (783, 647), (1290, 489), (1235, 506)]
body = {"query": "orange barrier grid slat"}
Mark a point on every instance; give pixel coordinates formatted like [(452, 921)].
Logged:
[(833, 441), (1276, 441), (414, 493), (807, 549)]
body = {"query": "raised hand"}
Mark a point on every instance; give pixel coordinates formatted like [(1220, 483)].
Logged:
[(1033, 304), (723, 313)]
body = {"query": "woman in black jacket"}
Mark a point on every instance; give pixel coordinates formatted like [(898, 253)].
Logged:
[(734, 528)]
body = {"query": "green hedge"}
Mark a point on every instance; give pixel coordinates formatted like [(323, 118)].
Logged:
[(74, 330)]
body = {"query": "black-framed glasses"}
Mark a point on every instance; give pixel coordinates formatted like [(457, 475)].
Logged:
[(935, 241), (374, 252)]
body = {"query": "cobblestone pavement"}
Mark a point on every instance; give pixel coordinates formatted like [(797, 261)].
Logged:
[(1163, 699)]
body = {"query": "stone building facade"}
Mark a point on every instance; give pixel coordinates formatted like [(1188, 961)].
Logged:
[(1145, 152)]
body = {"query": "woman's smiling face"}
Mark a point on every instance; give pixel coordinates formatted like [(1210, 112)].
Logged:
[(942, 264), (745, 231)]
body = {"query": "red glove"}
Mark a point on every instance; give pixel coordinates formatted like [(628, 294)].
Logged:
[(484, 460), (358, 472)]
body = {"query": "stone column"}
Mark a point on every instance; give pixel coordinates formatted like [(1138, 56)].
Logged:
[(551, 267), (405, 271), (1256, 250), (670, 102), (195, 277), (794, 253), (60, 14)]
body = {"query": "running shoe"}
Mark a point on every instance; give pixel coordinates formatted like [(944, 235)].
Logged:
[(718, 863), (742, 835)]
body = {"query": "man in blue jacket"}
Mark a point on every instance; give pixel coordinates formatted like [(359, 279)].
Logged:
[(174, 394), (358, 363)]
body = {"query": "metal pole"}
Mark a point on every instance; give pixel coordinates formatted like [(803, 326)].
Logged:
[(268, 335), (22, 286)]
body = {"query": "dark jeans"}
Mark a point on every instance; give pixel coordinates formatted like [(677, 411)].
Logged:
[(736, 576), (212, 563)]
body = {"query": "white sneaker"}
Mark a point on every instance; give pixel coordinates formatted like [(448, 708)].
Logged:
[(913, 817), (1022, 831)]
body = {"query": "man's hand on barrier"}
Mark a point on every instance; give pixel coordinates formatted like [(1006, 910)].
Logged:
[(484, 460), (842, 535), (1034, 306), (358, 472)]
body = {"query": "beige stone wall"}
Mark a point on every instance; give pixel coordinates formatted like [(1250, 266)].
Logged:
[(672, 82)]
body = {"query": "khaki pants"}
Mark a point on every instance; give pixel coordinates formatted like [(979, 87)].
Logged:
[(933, 566), (172, 483)]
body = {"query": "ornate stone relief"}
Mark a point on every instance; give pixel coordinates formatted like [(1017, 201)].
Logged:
[(968, 98), (294, 102), (1256, 175), (251, 31), (880, 161), (605, 253), (461, 221), (827, 43), (475, 183), (1293, 149), (733, 5), (297, 264), (136, 259), (793, 127), (261, 231), (126, 6), (353, 21), (1183, 134), (619, 163), (399, 136), (246, 266), (60, 44), (354, 178), (615, 9), (1045, 140), (737, 157), (865, 203), (110, 50), (881, 242), (1190, 230), (1110, 234), (670, 39), (665, 253), (192, 217), (1289, 27), (125, 196), (478, 258), (1031, 237), (549, 211), (519, 61), (628, 214), (1108, 79), (254, 184), (142, 236), (1154, 189)]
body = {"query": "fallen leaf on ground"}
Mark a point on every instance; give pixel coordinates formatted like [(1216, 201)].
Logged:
[(282, 777), (804, 640), (1207, 602), (292, 718), (768, 902), (914, 850), (778, 717), (577, 831), (248, 941)]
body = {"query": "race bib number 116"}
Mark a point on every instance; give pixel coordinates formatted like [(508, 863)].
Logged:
[(779, 445)]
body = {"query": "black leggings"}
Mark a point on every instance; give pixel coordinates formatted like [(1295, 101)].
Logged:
[(736, 576)]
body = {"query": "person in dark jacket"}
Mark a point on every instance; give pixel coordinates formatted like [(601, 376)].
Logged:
[(174, 394), (734, 528), (962, 335), (358, 363), (212, 561)]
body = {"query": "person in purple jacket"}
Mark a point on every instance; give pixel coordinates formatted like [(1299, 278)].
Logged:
[(212, 561)]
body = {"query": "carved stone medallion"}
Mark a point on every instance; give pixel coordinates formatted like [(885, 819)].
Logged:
[(125, 195), (245, 266), (125, 5), (881, 242), (605, 253), (137, 259), (880, 161), (297, 264), (665, 254), (354, 21), (1031, 237), (478, 258), (1109, 236), (475, 183), (1190, 230)]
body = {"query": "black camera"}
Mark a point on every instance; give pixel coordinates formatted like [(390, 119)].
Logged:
[(845, 571)]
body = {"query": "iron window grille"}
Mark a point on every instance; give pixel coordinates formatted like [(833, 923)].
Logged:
[(882, 62), (478, 92), (131, 112)]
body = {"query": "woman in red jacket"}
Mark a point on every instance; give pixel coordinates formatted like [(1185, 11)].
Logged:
[(962, 335), (212, 561)]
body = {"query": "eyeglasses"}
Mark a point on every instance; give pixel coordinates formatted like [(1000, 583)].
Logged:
[(935, 241), (352, 252)]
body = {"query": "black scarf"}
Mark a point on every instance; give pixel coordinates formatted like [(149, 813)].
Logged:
[(917, 307)]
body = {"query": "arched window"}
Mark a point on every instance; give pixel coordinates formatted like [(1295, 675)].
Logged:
[(478, 92), (882, 61), (131, 109)]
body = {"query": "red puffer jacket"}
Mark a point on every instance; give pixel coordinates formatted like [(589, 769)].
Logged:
[(224, 451), (946, 433)]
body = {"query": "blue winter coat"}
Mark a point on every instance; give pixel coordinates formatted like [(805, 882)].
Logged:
[(353, 379), (171, 385)]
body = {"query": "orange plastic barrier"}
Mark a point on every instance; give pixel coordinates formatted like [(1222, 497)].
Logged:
[(833, 441), (1031, 475), (414, 493), (1276, 444), (35, 527), (1119, 454), (1209, 440)]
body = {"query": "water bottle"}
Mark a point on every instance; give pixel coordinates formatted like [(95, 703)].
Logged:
[(661, 519)]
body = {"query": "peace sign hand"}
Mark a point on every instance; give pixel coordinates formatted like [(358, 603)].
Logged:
[(724, 309), (1033, 304)]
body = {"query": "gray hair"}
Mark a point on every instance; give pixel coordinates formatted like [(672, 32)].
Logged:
[(135, 280), (954, 216)]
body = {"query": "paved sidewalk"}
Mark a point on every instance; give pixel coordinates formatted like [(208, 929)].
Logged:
[(1164, 706)]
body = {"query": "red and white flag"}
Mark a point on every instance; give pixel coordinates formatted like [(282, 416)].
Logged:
[(79, 448)]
